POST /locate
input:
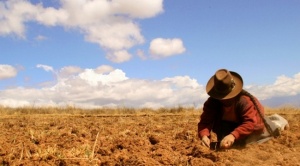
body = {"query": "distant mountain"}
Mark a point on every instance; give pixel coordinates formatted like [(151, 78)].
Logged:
[(282, 101)]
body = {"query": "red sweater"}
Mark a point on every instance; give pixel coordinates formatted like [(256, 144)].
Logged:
[(245, 112)]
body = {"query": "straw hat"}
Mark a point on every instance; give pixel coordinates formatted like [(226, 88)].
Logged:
[(224, 84)]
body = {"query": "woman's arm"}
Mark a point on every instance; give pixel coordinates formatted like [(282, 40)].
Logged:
[(207, 118)]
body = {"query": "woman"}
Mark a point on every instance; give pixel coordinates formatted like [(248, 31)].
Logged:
[(230, 112)]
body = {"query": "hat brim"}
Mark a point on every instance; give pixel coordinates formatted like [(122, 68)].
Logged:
[(210, 90)]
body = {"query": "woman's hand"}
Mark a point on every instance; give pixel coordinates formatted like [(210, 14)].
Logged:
[(205, 141), (227, 141)]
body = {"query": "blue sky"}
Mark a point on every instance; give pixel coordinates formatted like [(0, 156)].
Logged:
[(142, 53)]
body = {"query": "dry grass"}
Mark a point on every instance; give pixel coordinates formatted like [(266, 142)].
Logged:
[(282, 110), (122, 111)]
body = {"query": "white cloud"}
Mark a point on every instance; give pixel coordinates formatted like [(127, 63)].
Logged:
[(14, 103), (45, 67), (138, 8), (283, 86), (95, 79), (89, 88), (183, 81), (104, 69), (69, 71), (140, 53), (40, 38), (110, 24), (160, 48), (7, 71), (50, 16), (119, 56), (152, 105), (113, 35), (105, 86), (13, 14)]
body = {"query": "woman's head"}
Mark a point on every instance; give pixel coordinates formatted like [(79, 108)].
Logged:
[(224, 84)]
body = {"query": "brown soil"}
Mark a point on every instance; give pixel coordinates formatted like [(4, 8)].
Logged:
[(168, 139)]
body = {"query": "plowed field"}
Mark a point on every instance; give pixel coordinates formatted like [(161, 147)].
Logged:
[(133, 139)]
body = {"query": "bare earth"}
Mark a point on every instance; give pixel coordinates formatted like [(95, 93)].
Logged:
[(146, 139)]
